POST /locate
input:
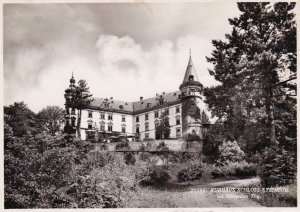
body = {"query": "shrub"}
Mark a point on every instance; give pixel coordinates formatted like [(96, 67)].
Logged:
[(231, 162), (277, 167), (184, 157), (192, 137), (124, 145), (192, 172), (230, 151), (154, 176), (108, 187), (97, 159), (239, 169), (162, 147), (129, 158)]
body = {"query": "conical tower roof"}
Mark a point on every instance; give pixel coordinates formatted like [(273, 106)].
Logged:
[(190, 71)]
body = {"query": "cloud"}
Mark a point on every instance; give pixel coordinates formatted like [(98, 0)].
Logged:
[(122, 50), (123, 69)]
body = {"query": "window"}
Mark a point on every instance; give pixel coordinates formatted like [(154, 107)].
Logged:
[(123, 129), (110, 128), (146, 116), (90, 126), (137, 119), (90, 114), (167, 111), (102, 115), (156, 114), (137, 129), (191, 78), (156, 123), (178, 132), (123, 119), (102, 127), (146, 126), (146, 135), (177, 109), (110, 117), (177, 120), (73, 111)]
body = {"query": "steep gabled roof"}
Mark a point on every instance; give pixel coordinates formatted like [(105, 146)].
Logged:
[(190, 71), (137, 106)]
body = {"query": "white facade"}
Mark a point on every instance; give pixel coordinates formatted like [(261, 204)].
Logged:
[(139, 118), (123, 123)]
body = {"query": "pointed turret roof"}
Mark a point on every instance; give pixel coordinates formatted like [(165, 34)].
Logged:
[(190, 71), (72, 80)]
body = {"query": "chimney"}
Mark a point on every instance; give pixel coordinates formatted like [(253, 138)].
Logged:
[(141, 98)]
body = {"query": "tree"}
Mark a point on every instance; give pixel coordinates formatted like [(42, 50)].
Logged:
[(163, 129), (260, 48), (82, 100), (20, 118), (51, 117), (204, 118)]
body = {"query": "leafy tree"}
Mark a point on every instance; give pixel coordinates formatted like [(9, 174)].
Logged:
[(20, 118), (51, 117), (260, 48), (82, 100), (163, 130)]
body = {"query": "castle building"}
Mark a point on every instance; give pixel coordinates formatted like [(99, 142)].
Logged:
[(140, 119)]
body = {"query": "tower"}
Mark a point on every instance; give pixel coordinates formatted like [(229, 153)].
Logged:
[(191, 92), (70, 117)]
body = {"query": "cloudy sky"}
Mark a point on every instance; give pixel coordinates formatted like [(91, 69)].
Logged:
[(122, 50)]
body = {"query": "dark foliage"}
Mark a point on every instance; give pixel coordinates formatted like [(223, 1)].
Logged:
[(277, 167), (162, 131), (21, 119), (155, 176), (192, 172)]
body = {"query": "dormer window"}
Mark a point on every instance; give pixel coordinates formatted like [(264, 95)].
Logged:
[(161, 101), (121, 107), (191, 78), (166, 111)]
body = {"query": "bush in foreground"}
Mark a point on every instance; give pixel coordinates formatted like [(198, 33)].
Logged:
[(238, 169), (231, 161), (192, 172), (110, 186), (155, 176), (277, 167)]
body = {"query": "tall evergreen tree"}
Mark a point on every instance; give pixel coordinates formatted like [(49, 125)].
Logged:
[(82, 100), (163, 129), (260, 49)]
